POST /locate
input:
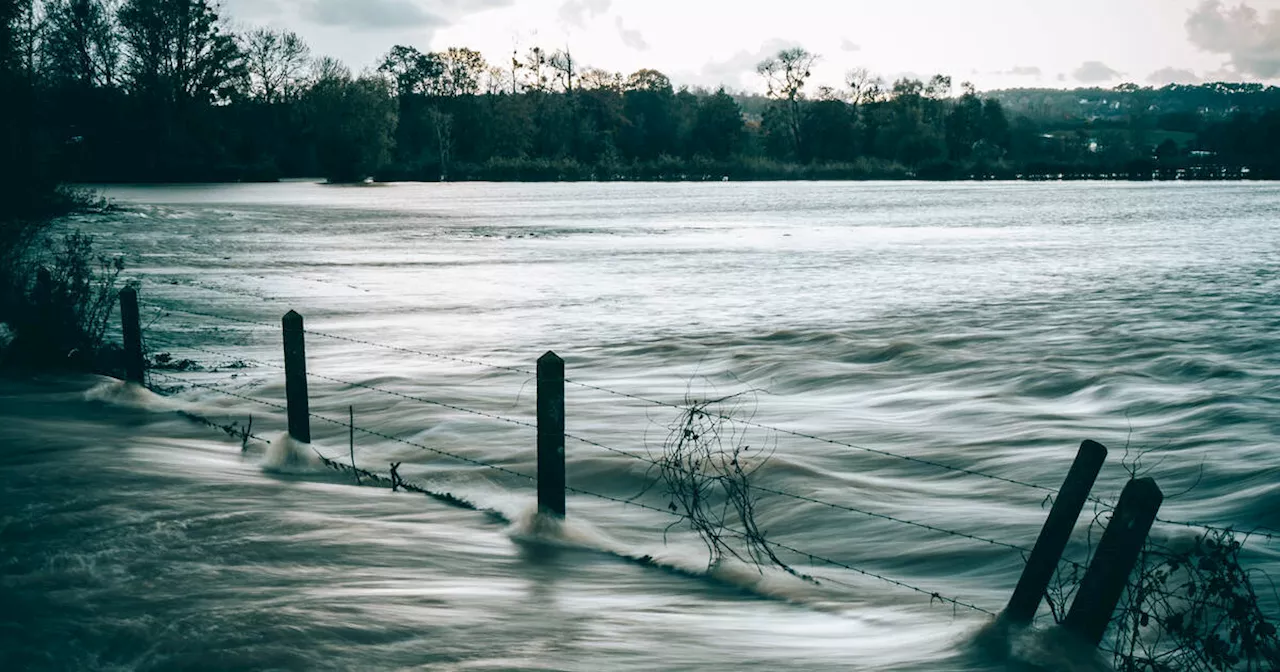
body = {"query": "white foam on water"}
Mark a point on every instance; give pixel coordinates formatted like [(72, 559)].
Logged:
[(1051, 649), (530, 525), (129, 395), (287, 456)]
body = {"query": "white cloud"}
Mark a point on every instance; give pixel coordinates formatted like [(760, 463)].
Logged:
[(850, 46)]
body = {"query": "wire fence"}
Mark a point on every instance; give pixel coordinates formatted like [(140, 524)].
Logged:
[(159, 342), (1253, 533)]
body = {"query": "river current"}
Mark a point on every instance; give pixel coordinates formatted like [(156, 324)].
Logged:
[(976, 330)]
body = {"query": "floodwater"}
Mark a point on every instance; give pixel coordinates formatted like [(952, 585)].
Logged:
[(987, 328)]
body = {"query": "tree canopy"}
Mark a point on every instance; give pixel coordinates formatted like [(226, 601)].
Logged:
[(166, 90)]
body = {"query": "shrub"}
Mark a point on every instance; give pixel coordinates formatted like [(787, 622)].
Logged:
[(57, 296)]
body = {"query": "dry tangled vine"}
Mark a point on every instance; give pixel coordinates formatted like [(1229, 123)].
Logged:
[(705, 467)]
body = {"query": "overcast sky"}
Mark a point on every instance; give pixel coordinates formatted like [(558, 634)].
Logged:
[(993, 43)]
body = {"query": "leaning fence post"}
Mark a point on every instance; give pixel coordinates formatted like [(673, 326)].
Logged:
[(1113, 561), (551, 434), (295, 377), (134, 364), (1055, 534)]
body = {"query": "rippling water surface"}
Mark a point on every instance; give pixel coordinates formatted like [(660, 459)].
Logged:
[(987, 327)]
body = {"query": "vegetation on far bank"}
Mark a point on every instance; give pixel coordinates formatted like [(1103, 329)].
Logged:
[(106, 91), (56, 294)]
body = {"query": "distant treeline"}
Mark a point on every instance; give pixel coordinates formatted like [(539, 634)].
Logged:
[(162, 90)]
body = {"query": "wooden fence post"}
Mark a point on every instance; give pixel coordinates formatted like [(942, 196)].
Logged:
[(295, 377), (551, 434), (1055, 534), (1113, 561), (134, 364)]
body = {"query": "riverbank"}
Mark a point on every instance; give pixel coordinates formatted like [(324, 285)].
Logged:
[(568, 170)]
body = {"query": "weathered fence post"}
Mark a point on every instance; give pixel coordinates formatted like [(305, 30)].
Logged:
[(551, 434), (134, 364), (295, 377), (1113, 561), (1055, 534)]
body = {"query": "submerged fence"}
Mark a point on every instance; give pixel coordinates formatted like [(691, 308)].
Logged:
[(1105, 578)]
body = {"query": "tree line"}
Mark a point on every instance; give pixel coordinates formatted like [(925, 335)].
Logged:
[(164, 90)]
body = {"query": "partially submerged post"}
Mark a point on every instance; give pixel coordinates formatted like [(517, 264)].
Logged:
[(551, 434), (1055, 534), (295, 377), (134, 364), (1114, 559)]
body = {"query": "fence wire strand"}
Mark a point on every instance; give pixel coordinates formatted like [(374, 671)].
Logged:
[(1258, 532), (813, 557), (653, 462)]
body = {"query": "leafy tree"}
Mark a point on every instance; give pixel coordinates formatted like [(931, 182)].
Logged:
[(461, 72), (410, 70), (351, 123), (718, 129), (995, 125), (649, 107), (178, 50), (81, 44), (964, 125), (829, 131)]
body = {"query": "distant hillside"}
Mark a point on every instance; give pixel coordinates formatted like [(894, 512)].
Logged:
[(1214, 101)]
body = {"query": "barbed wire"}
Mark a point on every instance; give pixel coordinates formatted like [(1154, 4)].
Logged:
[(1259, 532), (933, 595), (651, 461), (635, 397), (357, 428)]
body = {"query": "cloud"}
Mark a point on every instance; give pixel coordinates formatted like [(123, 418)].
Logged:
[(1024, 71), (849, 45), (254, 9), (1250, 40), (1173, 76), (1095, 72), (369, 14), (733, 72), (631, 37), (578, 12)]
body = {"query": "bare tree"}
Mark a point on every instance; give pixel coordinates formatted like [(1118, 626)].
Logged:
[(562, 64), (535, 67), (786, 75), (277, 63), (328, 69), (864, 87)]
